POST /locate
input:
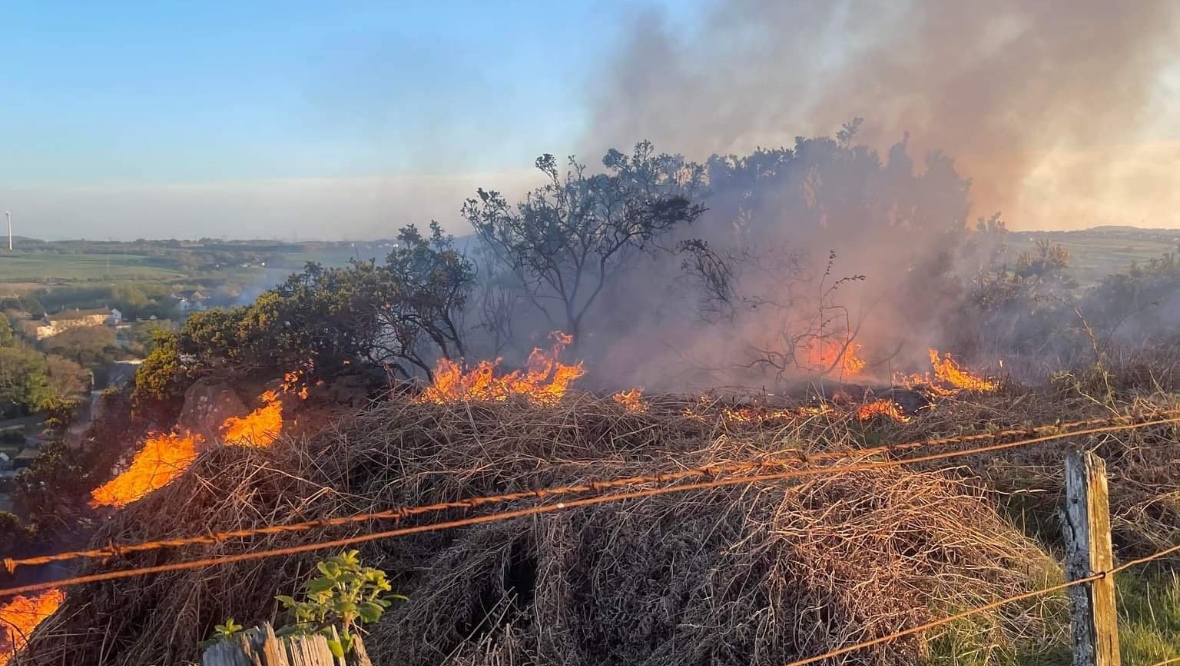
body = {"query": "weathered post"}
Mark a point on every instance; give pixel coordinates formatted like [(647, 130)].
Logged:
[(260, 647), (1086, 524)]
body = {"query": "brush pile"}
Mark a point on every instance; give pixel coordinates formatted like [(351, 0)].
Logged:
[(757, 574)]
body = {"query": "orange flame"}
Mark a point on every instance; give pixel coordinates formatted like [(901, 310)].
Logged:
[(949, 372), (949, 378), (162, 459), (260, 428), (544, 381), (824, 353), (632, 400), (165, 457), (293, 381), (20, 617), (880, 408)]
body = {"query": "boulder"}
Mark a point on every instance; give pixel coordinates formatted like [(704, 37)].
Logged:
[(207, 404)]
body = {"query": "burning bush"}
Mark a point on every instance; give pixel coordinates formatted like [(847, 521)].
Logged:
[(860, 554), (20, 616)]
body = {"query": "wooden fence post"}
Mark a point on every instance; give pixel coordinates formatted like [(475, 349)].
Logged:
[(260, 647), (1086, 524)]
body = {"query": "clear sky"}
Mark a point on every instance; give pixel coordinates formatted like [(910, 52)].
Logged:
[(346, 120), (127, 119)]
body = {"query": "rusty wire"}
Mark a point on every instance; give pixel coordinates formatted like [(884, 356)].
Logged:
[(549, 508), (211, 538)]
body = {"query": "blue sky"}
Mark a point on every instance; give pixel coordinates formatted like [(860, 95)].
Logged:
[(94, 92), (268, 118)]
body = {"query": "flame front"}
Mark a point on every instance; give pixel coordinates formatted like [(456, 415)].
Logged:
[(162, 459), (632, 400), (544, 380), (260, 428), (880, 409), (21, 616), (165, 457), (949, 378), (949, 372)]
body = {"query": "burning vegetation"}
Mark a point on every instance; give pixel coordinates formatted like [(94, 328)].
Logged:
[(259, 428), (873, 551), (631, 400), (543, 381), (163, 458), (948, 378), (886, 409), (20, 616), (670, 274)]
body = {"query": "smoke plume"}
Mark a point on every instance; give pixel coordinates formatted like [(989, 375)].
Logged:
[(1042, 103)]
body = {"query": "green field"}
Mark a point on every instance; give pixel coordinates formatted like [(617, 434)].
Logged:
[(1093, 256), (48, 267)]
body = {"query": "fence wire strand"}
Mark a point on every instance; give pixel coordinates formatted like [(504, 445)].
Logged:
[(401, 513), (550, 508)]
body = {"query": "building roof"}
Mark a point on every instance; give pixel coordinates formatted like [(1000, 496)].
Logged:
[(66, 315), (189, 295)]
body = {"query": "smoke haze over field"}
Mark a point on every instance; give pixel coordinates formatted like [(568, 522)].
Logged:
[(302, 208), (1061, 111)]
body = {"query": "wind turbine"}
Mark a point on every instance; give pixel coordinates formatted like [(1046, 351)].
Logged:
[(8, 216)]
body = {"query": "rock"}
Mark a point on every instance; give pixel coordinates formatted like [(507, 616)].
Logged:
[(207, 404)]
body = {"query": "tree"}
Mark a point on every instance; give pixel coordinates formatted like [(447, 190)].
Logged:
[(144, 334), (426, 283), (55, 486), (161, 381), (569, 237), (15, 537), (67, 380), (89, 346), (401, 313), (7, 338), (24, 386)]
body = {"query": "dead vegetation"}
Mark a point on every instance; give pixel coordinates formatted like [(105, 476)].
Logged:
[(755, 574)]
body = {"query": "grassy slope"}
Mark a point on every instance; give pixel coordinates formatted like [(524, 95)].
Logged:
[(1094, 256)]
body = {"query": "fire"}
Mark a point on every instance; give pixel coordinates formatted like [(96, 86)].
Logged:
[(162, 459), (880, 408), (293, 381), (632, 400), (763, 415), (949, 378), (21, 616), (260, 428), (544, 381), (826, 353), (949, 372), (165, 457)]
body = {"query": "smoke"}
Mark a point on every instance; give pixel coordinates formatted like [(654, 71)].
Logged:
[(1041, 102)]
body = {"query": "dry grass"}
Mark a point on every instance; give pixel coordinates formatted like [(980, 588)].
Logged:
[(744, 575)]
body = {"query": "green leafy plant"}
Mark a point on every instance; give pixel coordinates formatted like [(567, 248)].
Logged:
[(222, 632), (225, 632), (344, 596)]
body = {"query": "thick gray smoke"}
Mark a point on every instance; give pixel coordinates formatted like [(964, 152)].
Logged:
[(969, 106), (1043, 103)]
